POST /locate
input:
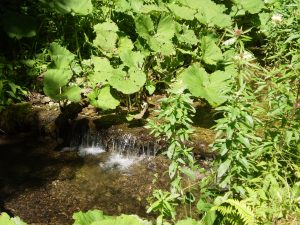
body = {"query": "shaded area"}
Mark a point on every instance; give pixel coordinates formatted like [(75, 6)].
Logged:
[(46, 187), (28, 163)]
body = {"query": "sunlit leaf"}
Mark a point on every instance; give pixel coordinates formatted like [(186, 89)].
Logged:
[(252, 6), (54, 80), (127, 83), (87, 218), (61, 57), (144, 26), (103, 99), (72, 93), (211, 87), (106, 36), (132, 59), (6, 220), (80, 7), (210, 13), (102, 70), (182, 12), (212, 54), (188, 221)]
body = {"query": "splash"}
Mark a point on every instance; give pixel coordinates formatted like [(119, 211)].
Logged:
[(83, 151), (121, 162)]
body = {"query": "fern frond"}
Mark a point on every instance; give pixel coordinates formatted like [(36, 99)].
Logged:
[(236, 212), (243, 211)]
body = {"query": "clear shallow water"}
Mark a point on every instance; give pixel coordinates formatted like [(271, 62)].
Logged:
[(44, 186)]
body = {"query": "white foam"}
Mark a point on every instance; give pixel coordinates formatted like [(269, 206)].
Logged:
[(119, 161), (83, 151)]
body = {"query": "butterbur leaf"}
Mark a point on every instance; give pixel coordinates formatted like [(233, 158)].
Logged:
[(161, 39), (187, 36), (152, 8), (211, 53), (72, 93), (212, 87), (106, 36), (124, 44), (54, 80), (132, 59), (122, 220), (182, 12), (210, 13), (252, 6), (80, 7), (87, 218), (6, 220), (144, 26), (166, 27), (18, 25), (103, 99), (188, 221), (102, 70), (127, 83), (61, 57)]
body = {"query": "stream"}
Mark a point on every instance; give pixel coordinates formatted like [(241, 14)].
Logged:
[(44, 184)]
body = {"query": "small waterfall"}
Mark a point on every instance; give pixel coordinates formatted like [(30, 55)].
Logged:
[(124, 149), (129, 145), (91, 144)]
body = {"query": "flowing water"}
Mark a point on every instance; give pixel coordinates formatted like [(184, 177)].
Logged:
[(123, 150), (44, 186)]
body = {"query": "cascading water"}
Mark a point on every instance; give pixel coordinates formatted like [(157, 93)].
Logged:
[(91, 144), (123, 150)]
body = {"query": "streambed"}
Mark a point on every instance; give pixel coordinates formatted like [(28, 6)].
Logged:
[(44, 185), (57, 167)]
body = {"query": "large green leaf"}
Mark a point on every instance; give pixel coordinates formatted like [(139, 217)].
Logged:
[(54, 80), (61, 57), (18, 26), (166, 27), (122, 220), (88, 218), (182, 12), (124, 44), (102, 70), (72, 93), (80, 7), (127, 83), (209, 13), (106, 36), (161, 39), (211, 53), (132, 59), (187, 36), (6, 220), (103, 99), (212, 87), (188, 221), (144, 26), (252, 6)]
